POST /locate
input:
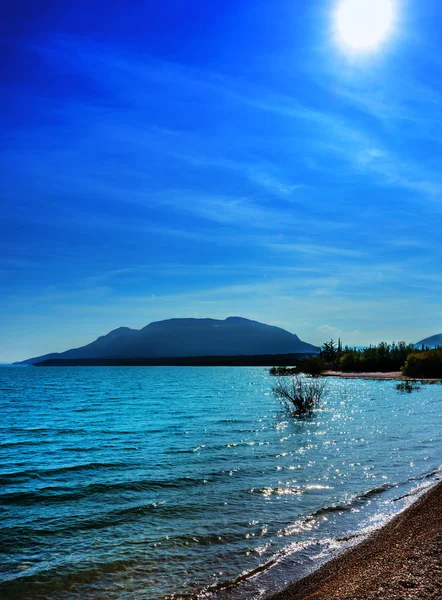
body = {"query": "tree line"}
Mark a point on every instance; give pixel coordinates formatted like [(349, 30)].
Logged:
[(384, 357)]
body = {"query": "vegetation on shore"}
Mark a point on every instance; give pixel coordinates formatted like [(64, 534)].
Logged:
[(424, 363), (382, 358)]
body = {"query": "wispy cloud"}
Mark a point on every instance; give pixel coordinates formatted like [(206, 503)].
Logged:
[(257, 172), (317, 249)]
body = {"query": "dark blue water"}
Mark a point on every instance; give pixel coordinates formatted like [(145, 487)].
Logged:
[(188, 482)]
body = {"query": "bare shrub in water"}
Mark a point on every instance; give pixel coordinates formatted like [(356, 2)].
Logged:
[(282, 371), (408, 386), (299, 394)]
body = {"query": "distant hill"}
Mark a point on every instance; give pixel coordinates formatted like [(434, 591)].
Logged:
[(188, 337), (431, 342)]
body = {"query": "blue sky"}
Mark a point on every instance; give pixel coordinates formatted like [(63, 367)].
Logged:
[(200, 159)]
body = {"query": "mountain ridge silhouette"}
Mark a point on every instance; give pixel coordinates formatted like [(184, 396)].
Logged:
[(188, 337)]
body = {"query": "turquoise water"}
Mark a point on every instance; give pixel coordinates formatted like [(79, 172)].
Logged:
[(162, 482)]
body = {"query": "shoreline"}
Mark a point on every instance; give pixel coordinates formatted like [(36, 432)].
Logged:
[(373, 375), (400, 561), (380, 375)]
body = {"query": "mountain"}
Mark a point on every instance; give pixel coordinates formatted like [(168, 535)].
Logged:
[(431, 342), (189, 337)]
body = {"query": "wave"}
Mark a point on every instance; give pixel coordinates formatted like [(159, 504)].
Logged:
[(19, 476), (268, 491), (437, 471), (11, 538), (46, 582), (354, 501), (5, 445), (57, 430), (55, 494), (222, 586)]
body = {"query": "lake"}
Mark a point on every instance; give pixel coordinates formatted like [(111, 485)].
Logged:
[(181, 482)]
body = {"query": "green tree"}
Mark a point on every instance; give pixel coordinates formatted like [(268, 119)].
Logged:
[(329, 351)]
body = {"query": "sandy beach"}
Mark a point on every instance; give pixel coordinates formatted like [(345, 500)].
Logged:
[(400, 561), (377, 375)]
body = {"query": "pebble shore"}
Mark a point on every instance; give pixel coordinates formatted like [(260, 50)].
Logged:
[(400, 561)]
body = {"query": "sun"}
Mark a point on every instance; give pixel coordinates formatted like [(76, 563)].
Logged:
[(363, 24)]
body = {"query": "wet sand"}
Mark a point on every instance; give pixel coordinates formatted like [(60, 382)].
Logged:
[(400, 561)]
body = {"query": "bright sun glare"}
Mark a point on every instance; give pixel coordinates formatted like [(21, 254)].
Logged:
[(363, 24)]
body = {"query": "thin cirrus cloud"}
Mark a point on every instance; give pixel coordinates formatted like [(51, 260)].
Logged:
[(121, 75)]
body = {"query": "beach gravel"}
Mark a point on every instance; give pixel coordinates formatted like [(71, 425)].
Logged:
[(400, 561)]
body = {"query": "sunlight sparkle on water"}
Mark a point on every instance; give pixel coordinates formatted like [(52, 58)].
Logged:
[(363, 24)]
